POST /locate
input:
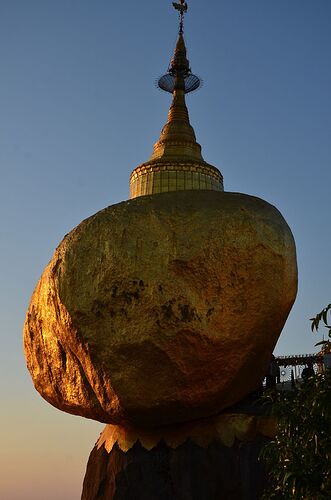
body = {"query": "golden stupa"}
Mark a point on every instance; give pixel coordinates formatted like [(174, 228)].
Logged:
[(164, 308), (176, 163)]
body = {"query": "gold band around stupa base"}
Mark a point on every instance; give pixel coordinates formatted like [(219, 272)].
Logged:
[(225, 429), (164, 176)]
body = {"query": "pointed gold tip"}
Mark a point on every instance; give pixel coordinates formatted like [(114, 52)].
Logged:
[(179, 61)]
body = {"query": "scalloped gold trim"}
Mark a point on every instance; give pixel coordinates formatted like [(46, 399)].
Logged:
[(148, 168), (224, 428)]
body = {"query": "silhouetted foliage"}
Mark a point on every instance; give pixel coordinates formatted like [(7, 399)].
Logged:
[(315, 322), (299, 458)]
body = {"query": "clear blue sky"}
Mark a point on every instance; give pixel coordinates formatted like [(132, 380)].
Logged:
[(79, 110)]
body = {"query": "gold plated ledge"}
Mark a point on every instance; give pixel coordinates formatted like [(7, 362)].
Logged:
[(224, 428), (161, 177)]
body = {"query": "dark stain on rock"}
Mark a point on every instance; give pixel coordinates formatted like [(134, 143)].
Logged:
[(210, 312), (187, 313), (97, 308), (132, 292), (167, 310), (129, 296), (124, 311), (63, 356)]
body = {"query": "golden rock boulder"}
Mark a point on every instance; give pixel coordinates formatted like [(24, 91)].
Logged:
[(162, 309)]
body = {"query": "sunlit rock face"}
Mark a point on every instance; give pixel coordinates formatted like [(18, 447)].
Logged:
[(162, 309)]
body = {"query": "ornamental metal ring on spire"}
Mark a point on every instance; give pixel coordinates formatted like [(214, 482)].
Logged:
[(179, 66)]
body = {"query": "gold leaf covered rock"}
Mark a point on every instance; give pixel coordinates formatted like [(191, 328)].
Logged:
[(162, 309)]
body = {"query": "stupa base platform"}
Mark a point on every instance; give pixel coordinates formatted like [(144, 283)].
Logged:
[(211, 459)]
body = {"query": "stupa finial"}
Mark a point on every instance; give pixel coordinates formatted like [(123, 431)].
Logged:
[(179, 73), (182, 8)]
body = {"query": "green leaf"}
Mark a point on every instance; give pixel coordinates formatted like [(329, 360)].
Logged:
[(287, 477), (323, 342), (325, 315)]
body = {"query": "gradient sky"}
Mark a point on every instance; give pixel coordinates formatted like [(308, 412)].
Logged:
[(79, 111)]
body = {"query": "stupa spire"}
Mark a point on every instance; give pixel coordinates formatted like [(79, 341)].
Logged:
[(176, 163), (177, 138)]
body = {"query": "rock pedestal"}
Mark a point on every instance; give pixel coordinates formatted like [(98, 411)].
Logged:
[(216, 459), (188, 472)]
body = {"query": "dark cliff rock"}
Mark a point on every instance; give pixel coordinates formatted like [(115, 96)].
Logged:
[(188, 472)]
